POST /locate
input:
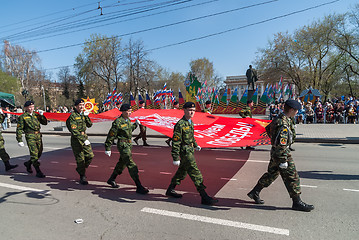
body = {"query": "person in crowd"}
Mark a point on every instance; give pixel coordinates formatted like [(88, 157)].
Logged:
[(309, 112), (351, 114)]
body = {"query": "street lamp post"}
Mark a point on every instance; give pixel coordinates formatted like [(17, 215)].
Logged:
[(43, 93)]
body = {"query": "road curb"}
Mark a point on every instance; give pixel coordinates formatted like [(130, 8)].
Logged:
[(302, 140)]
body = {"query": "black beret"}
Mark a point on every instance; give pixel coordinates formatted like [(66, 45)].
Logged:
[(175, 102), (78, 101), (293, 104), (189, 105), (249, 101), (208, 102), (125, 107), (141, 102), (28, 103)]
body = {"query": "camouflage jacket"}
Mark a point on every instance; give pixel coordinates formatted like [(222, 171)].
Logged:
[(183, 140), (281, 135), (246, 112), (77, 124), (121, 129), (29, 124)]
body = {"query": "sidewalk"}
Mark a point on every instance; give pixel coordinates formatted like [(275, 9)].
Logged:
[(309, 133)]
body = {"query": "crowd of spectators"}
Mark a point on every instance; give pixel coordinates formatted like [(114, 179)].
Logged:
[(335, 110)]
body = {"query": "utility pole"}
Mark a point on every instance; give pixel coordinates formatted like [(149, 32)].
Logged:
[(43, 93)]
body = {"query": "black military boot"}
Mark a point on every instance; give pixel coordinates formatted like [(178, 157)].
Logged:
[(83, 180), (145, 143), (8, 166), (171, 191), (39, 174), (207, 200), (298, 205), (28, 166), (254, 194), (140, 189), (112, 182)]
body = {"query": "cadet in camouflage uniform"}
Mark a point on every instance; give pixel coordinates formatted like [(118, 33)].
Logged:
[(143, 129), (77, 123), (281, 162), (122, 131), (208, 107), (183, 146), (3, 154), (29, 123), (247, 112)]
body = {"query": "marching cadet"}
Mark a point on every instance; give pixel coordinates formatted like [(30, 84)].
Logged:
[(183, 146), (247, 112), (122, 131), (207, 108), (281, 162), (77, 123), (142, 133), (29, 123), (3, 154)]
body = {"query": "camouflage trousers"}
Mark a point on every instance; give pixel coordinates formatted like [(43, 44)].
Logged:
[(125, 160), (188, 166), (3, 154), (142, 133), (289, 175), (34, 142), (83, 155)]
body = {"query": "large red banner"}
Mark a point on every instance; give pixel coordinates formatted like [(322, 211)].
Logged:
[(210, 131)]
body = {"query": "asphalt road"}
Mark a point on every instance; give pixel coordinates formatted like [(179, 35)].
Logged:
[(33, 208)]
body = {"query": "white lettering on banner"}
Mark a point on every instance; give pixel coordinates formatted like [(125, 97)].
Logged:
[(209, 132), (234, 135)]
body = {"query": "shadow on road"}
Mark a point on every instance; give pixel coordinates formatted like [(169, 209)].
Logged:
[(326, 175)]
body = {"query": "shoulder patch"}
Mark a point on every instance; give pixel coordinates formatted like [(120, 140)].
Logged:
[(77, 118), (27, 117), (175, 138), (186, 128), (283, 141), (73, 126), (123, 125)]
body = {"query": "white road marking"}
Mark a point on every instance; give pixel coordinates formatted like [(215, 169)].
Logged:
[(241, 160), (23, 188), (93, 166), (351, 190), (142, 154), (217, 221), (223, 149), (309, 186), (54, 162), (229, 179), (166, 173)]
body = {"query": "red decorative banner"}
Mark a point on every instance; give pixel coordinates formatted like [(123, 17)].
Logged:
[(210, 131)]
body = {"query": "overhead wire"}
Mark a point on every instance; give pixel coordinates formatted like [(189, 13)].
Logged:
[(237, 28), (36, 31), (126, 20)]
